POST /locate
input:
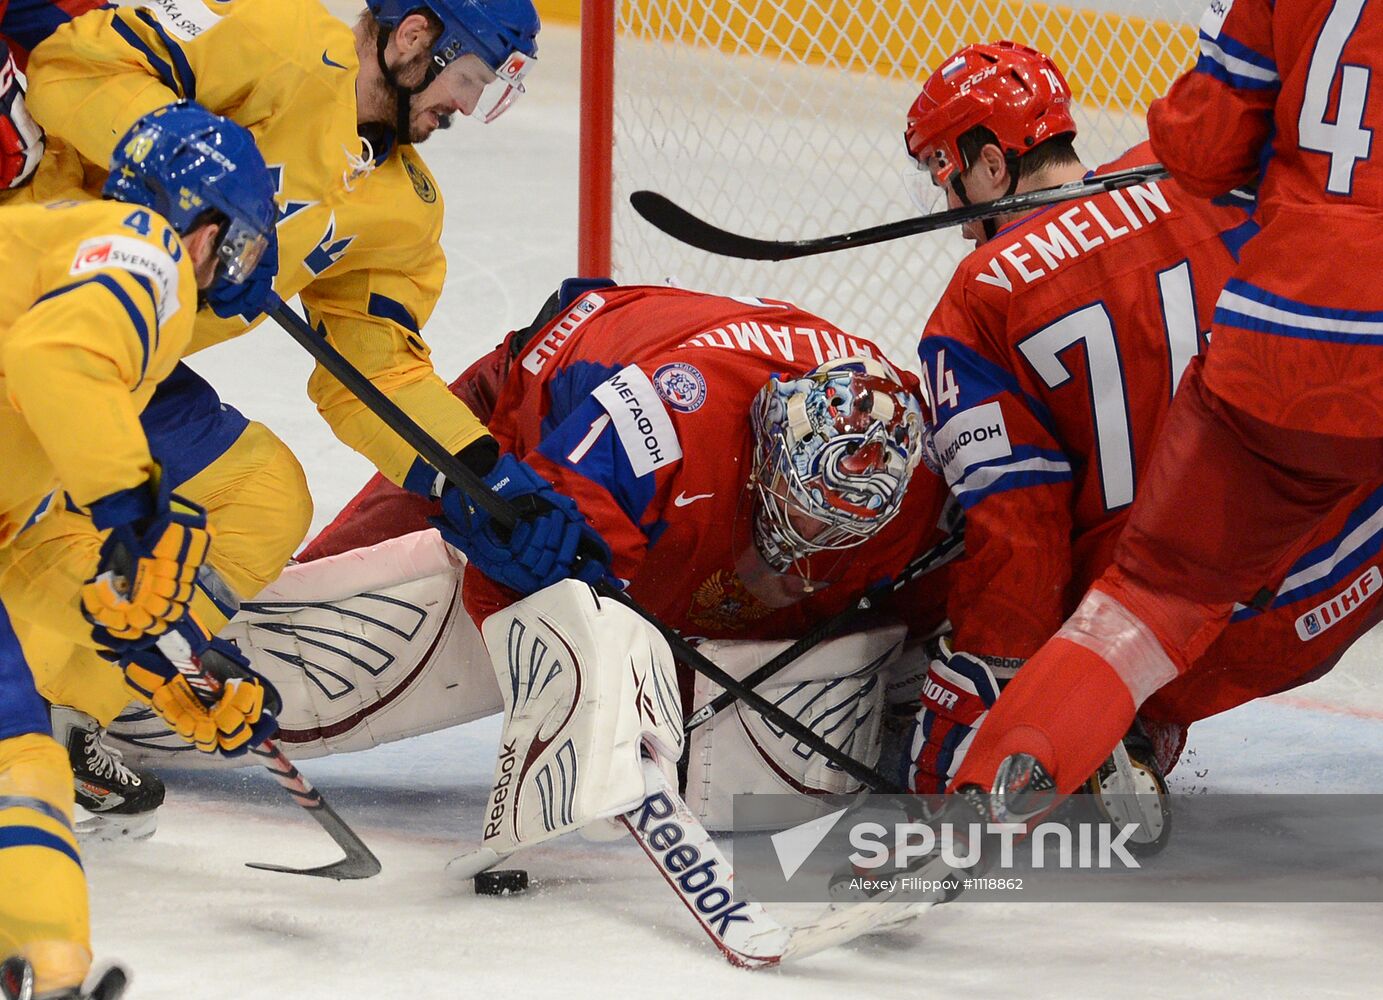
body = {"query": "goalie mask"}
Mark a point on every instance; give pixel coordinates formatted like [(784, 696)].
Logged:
[(834, 451)]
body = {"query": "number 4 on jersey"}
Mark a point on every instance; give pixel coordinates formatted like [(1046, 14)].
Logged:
[(1344, 140), (943, 391)]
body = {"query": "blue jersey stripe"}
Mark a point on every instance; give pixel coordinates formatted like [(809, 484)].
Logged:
[(1333, 562), (186, 78), (978, 380), (1237, 286), (141, 328), (1249, 307), (1235, 64), (37, 805), (391, 309), (156, 63), (1027, 466), (32, 836)]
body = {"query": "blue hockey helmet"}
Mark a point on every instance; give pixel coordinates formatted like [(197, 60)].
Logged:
[(502, 33), (185, 163)]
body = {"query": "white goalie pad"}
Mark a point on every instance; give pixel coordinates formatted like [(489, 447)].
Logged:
[(837, 689), (365, 647), (586, 684)]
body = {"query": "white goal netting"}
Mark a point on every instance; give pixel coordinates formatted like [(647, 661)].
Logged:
[(784, 119)]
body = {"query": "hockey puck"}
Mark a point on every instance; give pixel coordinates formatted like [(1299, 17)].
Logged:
[(501, 882)]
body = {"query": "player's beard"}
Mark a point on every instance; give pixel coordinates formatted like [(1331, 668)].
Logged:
[(417, 130)]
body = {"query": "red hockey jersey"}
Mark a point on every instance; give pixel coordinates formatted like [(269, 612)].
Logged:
[(1048, 367), (1285, 94), (635, 402)]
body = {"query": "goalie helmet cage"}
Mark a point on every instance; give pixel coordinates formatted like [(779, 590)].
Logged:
[(784, 119)]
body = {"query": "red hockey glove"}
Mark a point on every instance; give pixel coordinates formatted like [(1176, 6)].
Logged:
[(957, 693)]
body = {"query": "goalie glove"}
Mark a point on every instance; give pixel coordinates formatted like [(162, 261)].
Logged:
[(149, 562), (957, 693), (551, 541), (21, 139), (243, 715)]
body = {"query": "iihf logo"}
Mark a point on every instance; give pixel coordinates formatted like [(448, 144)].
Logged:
[(1312, 624)]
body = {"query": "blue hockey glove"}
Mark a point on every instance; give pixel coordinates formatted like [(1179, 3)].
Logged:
[(244, 714), (247, 299), (552, 541)]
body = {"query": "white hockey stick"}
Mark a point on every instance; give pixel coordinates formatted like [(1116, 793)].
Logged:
[(698, 872)]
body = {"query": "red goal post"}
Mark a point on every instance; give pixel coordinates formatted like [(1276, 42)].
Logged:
[(783, 119)]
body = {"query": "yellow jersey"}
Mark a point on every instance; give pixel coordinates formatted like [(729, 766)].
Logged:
[(358, 229), (96, 307)]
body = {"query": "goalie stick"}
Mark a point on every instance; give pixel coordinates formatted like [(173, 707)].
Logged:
[(681, 225), (500, 509), (943, 552), (703, 879)]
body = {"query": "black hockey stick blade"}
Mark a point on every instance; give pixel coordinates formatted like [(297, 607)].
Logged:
[(359, 862), (677, 222)]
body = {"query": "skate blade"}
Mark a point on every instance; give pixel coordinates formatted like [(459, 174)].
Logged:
[(100, 827)]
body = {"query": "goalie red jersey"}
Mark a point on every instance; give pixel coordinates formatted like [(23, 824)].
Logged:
[(637, 403), (1286, 96), (1049, 365)]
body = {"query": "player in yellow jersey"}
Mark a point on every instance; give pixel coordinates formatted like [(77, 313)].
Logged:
[(97, 307), (336, 111)]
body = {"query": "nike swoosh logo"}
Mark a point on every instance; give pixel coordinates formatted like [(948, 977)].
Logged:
[(681, 500), (329, 61)]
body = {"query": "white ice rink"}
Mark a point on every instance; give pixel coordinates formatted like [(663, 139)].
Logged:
[(192, 922)]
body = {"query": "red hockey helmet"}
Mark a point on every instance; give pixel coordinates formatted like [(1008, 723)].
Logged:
[(1014, 91)]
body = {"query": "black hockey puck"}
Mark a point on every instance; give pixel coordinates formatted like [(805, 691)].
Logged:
[(501, 882)]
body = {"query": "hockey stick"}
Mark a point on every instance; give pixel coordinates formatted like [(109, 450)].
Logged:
[(939, 555), (457, 473), (746, 934), (681, 225), (360, 861)]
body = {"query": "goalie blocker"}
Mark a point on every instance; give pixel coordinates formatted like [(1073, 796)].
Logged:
[(373, 646)]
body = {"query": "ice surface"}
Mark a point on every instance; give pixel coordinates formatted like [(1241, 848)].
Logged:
[(192, 921)]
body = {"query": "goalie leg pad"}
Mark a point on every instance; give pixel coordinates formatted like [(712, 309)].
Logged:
[(587, 684), (365, 648), (837, 689)]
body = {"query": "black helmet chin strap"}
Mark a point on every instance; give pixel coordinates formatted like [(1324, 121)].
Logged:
[(403, 96), (991, 225)]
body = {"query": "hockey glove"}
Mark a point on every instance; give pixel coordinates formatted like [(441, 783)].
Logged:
[(21, 139), (552, 541), (957, 693), (244, 714), (148, 565), (247, 299)]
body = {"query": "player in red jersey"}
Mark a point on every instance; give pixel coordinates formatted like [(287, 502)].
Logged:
[(637, 403), (1273, 432), (1049, 366), (23, 24)]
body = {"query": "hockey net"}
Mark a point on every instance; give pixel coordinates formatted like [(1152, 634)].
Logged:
[(784, 119)]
